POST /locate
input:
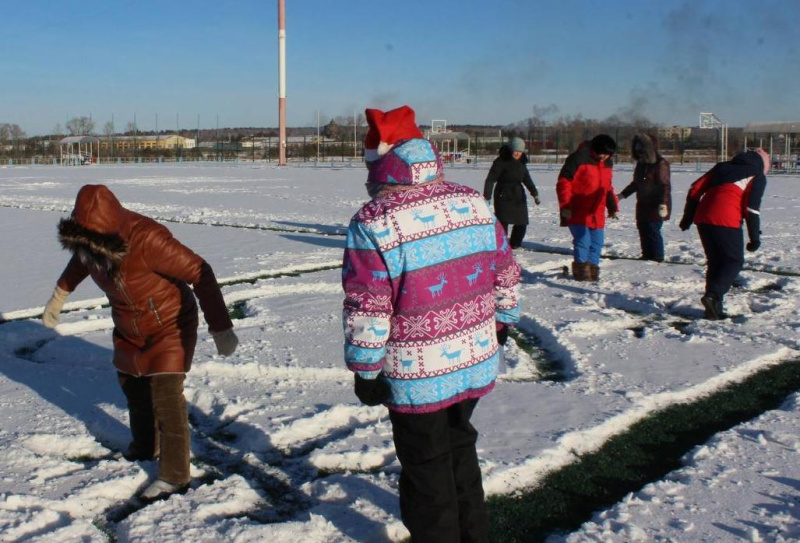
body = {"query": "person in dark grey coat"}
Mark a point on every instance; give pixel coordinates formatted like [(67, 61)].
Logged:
[(505, 181), (651, 184)]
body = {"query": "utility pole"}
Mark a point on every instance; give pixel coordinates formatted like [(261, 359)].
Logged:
[(282, 82)]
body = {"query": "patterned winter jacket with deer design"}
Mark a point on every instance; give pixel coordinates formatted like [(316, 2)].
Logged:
[(427, 273), (145, 273)]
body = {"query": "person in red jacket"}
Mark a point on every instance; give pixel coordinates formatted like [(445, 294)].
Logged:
[(146, 274), (727, 195), (584, 194)]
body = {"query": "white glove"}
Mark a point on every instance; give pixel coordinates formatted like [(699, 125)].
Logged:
[(52, 311), (662, 211), (226, 341)]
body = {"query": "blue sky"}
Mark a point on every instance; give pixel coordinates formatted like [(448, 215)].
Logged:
[(465, 61)]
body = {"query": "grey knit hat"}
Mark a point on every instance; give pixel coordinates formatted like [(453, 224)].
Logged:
[(517, 145)]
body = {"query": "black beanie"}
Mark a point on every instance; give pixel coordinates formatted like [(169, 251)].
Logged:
[(603, 144)]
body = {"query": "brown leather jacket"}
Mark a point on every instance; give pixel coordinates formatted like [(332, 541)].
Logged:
[(146, 274)]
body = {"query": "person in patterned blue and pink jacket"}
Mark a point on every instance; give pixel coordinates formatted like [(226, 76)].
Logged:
[(430, 288)]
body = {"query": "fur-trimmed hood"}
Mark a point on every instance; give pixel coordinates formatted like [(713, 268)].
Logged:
[(94, 225), (644, 148), (150, 279)]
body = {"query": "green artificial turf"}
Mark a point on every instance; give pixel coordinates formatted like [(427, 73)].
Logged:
[(645, 453)]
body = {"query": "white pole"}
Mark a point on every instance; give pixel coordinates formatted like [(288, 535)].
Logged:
[(317, 135), (282, 82), (355, 136)]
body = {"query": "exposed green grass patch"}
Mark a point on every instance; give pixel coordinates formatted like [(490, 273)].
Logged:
[(549, 369), (27, 352), (102, 525), (254, 280), (238, 310), (647, 452)]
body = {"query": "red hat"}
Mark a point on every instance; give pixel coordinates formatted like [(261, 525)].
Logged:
[(386, 129)]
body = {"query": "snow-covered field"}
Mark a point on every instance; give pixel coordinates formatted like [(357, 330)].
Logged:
[(282, 449)]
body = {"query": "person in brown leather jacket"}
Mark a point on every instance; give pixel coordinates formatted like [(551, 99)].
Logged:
[(146, 275)]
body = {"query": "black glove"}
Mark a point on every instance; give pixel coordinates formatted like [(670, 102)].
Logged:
[(502, 333), (536, 199), (611, 205), (753, 222), (372, 391), (688, 214)]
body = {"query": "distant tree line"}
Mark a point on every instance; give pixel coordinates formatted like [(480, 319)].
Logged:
[(544, 132)]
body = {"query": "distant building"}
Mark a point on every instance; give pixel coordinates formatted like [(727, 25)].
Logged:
[(671, 133), (166, 141)]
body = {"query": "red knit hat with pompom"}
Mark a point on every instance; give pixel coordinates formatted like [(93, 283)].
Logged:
[(388, 128)]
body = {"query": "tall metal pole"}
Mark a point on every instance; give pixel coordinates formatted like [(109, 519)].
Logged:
[(282, 82)]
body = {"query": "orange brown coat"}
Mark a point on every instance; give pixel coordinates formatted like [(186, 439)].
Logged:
[(145, 273)]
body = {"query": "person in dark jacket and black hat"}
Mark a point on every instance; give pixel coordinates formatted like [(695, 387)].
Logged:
[(507, 176), (724, 197), (651, 183)]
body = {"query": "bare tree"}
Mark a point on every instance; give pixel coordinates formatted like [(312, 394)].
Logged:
[(80, 126), (5, 135), (16, 134), (57, 130), (332, 130), (346, 123)]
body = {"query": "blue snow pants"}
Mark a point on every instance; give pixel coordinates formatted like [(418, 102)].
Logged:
[(587, 243), (651, 240)]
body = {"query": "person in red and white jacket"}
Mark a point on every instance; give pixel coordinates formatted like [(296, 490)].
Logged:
[(718, 203)]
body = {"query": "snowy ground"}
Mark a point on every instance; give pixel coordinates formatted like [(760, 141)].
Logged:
[(282, 449)]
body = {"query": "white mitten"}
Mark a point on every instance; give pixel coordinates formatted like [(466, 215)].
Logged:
[(662, 211), (226, 341), (52, 311)]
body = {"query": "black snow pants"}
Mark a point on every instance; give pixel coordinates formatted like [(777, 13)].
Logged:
[(441, 493), (724, 247), (517, 234)]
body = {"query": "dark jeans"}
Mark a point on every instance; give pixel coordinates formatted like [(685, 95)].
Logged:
[(724, 249), (651, 240), (441, 493), (517, 233), (159, 422)]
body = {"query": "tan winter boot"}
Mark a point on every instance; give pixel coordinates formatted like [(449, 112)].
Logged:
[(594, 272), (580, 271)]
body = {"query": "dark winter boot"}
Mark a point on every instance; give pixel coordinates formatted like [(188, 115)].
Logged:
[(594, 272), (580, 271), (713, 307)]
